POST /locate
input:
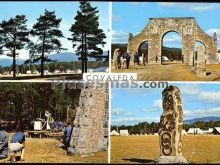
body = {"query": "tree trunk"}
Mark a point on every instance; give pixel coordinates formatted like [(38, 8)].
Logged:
[(14, 58), (42, 59), (82, 53), (85, 55)]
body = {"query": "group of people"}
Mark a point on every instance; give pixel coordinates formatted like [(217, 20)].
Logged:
[(17, 144), (121, 59)]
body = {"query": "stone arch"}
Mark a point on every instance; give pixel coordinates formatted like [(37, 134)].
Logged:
[(162, 40), (196, 50), (140, 52), (188, 30)]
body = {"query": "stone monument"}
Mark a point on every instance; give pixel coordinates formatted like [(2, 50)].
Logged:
[(171, 123), (200, 65), (189, 30), (90, 130)]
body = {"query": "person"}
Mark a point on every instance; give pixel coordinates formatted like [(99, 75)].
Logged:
[(60, 125), (67, 134), (144, 58), (17, 144), (3, 142), (127, 57), (119, 60), (136, 60)]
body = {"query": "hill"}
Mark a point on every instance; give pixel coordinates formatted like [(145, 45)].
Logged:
[(205, 119), (61, 57)]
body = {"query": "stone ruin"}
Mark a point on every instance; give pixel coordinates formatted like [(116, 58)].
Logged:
[(171, 123), (90, 130), (200, 64), (186, 27)]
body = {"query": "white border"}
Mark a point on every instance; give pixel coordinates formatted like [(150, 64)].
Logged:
[(109, 88)]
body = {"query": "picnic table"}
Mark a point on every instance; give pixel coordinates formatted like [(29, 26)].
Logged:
[(44, 132), (40, 133)]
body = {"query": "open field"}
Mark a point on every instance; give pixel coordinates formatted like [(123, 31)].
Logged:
[(47, 150), (145, 149), (75, 76), (171, 72)]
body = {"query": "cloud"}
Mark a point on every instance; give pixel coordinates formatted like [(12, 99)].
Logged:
[(211, 32), (190, 89), (119, 36), (133, 120), (117, 111), (196, 7), (129, 114), (172, 39), (144, 109), (202, 112), (211, 97), (157, 104)]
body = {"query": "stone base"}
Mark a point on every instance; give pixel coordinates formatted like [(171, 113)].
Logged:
[(201, 73), (171, 159)]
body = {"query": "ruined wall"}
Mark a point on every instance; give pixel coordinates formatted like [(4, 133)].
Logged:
[(186, 27), (90, 131)]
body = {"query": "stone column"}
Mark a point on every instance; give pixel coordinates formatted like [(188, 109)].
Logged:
[(200, 64), (90, 124), (171, 123), (154, 50)]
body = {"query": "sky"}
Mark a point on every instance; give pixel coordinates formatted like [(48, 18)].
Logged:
[(65, 10), (131, 106), (131, 17)]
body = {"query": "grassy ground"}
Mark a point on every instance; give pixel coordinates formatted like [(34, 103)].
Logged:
[(145, 149), (47, 150), (170, 72)]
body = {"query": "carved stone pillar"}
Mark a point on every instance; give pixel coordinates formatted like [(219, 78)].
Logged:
[(171, 123)]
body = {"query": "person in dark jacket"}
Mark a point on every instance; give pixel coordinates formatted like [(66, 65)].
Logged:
[(67, 135), (127, 57), (136, 60), (17, 144), (3, 142)]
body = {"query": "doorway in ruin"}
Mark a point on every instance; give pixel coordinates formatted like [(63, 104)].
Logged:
[(195, 57), (143, 53), (171, 48)]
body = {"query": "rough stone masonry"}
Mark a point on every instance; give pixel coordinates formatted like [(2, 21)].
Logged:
[(171, 123), (90, 130), (186, 27)]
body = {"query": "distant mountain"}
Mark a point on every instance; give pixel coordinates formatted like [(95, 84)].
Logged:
[(123, 46), (205, 119), (61, 57), (64, 57), (4, 62)]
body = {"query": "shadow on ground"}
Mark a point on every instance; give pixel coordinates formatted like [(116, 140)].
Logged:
[(136, 160)]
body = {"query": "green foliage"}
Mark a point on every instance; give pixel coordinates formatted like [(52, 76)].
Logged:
[(47, 31), (56, 65), (86, 35), (13, 36), (24, 102), (151, 128)]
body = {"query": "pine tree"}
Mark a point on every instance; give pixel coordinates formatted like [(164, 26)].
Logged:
[(13, 36), (47, 31), (86, 34)]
